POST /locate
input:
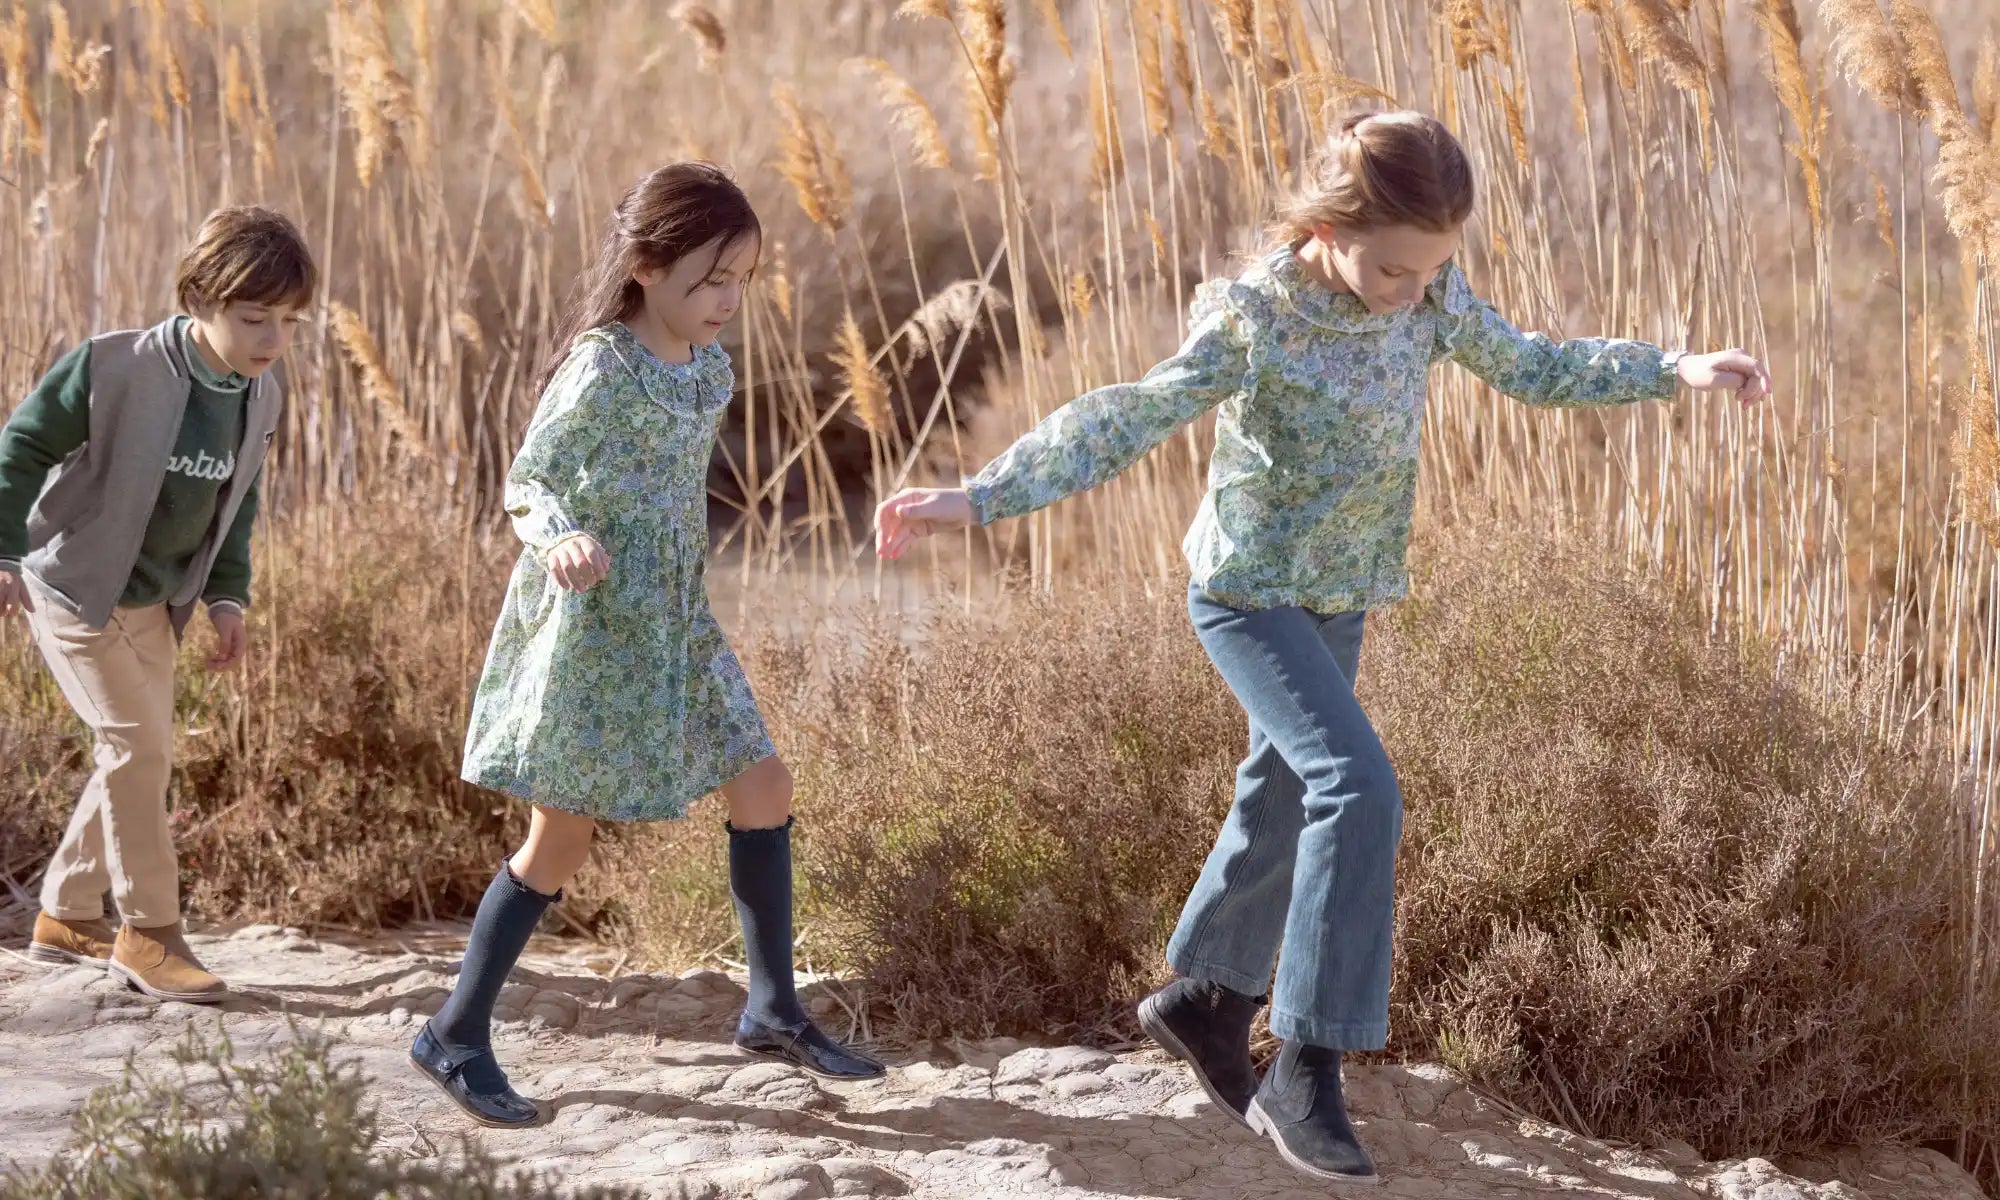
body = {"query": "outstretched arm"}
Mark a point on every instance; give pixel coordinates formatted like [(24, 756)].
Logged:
[(1085, 443), (1580, 372)]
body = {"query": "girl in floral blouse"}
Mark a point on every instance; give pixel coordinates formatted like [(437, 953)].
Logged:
[(1316, 360), (609, 692)]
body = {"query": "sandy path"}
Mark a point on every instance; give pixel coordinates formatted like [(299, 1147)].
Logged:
[(647, 1091)]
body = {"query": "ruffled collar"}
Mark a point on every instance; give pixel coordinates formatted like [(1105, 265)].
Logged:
[(706, 373), (1344, 312)]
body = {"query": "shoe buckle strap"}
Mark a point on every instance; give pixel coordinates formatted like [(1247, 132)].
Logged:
[(457, 1058)]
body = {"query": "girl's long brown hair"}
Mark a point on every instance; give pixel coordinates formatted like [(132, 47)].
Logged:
[(1382, 169), (665, 217)]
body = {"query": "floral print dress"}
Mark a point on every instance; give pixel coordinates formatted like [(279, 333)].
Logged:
[(1314, 475), (623, 702)]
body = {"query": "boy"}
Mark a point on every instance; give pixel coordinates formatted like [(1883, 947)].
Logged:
[(150, 444)]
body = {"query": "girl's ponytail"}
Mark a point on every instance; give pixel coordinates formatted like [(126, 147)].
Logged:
[(1380, 169)]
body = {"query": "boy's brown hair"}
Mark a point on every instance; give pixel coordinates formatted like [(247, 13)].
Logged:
[(250, 254)]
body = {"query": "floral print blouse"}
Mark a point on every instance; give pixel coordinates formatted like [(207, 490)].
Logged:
[(1314, 475), (623, 702)]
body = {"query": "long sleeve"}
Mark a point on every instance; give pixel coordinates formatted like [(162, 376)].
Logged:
[(229, 577), (1536, 369), (1088, 441), (555, 456), (46, 429)]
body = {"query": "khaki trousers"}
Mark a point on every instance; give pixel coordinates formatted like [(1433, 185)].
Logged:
[(120, 680)]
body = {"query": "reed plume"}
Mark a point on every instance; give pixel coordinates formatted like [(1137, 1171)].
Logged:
[(1657, 34), (910, 114), (466, 327), (1801, 100), (1239, 21), (1869, 54), (1052, 17), (540, 16), (62, 45), (1081, 295), (988, 80), (1216, 137), (810, 161), (377, 384), (1146, 27), (1923, 51), (1177, 47), (98, 136), (14, 42), (236, 103), (949, 310), (1968, 184), (1975, 451), (864, 383), (1471, 35), (706, 27), (372, 88)]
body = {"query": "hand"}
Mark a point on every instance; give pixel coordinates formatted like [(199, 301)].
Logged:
[(14, 594), (1727, 371), (578, 563), (232, 640), (918, 513)]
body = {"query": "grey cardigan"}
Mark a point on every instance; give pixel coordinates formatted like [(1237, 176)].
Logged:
[(85, 530)]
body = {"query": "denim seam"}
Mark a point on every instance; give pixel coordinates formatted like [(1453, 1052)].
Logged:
[(1199, 936)]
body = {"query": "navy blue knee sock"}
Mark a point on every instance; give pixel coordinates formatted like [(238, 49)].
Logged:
[(507, 916), (760, 882)]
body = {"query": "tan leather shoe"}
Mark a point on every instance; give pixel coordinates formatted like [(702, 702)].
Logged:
[(158, 962), (70, 943)]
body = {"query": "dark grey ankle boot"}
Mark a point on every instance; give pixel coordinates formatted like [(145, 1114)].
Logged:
[(1300, 1107), (1207, 1026)]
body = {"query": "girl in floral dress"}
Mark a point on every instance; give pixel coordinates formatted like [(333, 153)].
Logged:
[(1317, 359), (609, 693)]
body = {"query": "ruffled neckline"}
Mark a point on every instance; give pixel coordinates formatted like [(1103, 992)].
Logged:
[(707, 372), (1344, 312)]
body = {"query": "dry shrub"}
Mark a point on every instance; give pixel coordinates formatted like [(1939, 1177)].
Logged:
[(46, 751), (1648, 886), (320, 786), (672, 884), (326, 789), (992, 823), (1653, 887), (293, 1123)]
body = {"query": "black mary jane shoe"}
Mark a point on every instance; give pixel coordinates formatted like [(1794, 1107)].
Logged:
[(807, 1047), (445, 1066)]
